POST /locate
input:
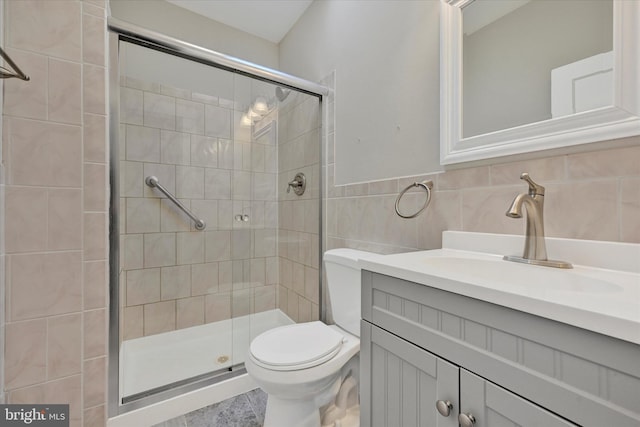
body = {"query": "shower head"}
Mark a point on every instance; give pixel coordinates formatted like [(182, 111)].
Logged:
[(282, 94)]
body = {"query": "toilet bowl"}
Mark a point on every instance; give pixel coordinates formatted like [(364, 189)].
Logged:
[(302, 367)]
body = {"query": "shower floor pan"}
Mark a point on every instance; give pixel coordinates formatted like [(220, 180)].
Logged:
[(157, 361)]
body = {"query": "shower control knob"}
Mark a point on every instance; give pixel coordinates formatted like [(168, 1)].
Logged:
[(466, 420), (444, 407)]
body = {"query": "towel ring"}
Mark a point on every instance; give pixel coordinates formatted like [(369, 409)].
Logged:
[(427, 185)]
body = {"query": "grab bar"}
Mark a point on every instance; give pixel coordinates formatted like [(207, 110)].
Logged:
[(153, 182)]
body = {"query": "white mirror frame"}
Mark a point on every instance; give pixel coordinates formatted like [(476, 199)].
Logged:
[(620, 120)]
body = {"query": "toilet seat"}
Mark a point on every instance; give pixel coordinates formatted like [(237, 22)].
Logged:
[(294, 347)]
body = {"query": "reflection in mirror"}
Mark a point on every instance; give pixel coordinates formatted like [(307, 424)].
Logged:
[(526, 61)]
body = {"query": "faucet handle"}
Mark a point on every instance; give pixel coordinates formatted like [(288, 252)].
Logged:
[(534, 189)]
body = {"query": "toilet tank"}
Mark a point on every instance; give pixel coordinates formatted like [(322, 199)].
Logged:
[(344, 280)]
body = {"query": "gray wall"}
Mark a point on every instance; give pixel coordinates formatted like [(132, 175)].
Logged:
[(166, 18), (507, 64), (386, 60)]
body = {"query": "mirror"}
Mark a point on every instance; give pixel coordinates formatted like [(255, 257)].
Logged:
[(519, 76)]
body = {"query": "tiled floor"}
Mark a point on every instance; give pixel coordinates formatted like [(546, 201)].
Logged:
[(246, 410)]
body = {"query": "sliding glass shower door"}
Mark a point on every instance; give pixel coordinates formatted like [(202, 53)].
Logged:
[(200, 143)]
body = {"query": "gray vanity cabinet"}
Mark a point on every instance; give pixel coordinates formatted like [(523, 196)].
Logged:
[(505, 367)]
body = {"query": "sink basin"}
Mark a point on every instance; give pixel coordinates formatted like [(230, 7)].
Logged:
[(507, 275)]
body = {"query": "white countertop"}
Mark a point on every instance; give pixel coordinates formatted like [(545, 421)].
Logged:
[(596, 298)]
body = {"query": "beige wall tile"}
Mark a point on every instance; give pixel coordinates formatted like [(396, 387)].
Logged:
[(95, 284), (48, 27), (95, 138), (159, 111), (95, 236), (190, 312), (95, 417), (190, 247), (93, 92), (65, 219), (304, 310), (607, 163), (206, 210), (217, 122), (56, 278), (225, 276), (27, 99), (159, 317), (66, 390), (94, 381), (133, 324), (292, 305), (443, 213), (189, 182), (217, 307), (25, 227), (204, 151), (217, 246), (131, 106), (175, 148), (264, 298), (64, 338), (175, 282), (64, 101), (142, 144), (95, 187), (95, 333), (143, 286), (190, 117), (143, 215), (131, 179), (25, 353), (204, 278), (540, 170), (463, 178), (311, 284), (132, 251), (484, 211), (217, 184), (45, 154), (630, 210), (241, 302), (582, 210), (93, 38), (159, 249)]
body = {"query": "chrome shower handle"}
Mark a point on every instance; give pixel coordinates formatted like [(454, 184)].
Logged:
[(299, 183)]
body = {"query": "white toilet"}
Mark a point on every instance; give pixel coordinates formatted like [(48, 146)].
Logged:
[(308, 366)]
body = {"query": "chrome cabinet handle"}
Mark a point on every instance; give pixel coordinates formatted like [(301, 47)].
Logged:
[(466, 420), (444, 407)]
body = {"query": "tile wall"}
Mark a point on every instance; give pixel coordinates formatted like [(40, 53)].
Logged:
[(593, 195), (54, 140), (299, 150), (174, 276)]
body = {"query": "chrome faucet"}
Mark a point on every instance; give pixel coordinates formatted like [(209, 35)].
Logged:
[(535, 250)]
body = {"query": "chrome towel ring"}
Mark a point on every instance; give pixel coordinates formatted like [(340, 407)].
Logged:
[(427, 185)]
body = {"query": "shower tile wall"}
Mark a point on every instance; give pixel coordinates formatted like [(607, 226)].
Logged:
[(173, 276), (299, 219)]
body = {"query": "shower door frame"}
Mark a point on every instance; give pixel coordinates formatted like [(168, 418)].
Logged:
[(120, 31)]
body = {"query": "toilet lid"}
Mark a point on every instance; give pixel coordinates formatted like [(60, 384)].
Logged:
[(298, 346)]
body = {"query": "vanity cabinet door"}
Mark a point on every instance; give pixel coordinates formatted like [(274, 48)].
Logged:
[(401, 383), (493, 406)]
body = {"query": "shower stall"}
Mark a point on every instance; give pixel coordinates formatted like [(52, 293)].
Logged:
[(212, 239)]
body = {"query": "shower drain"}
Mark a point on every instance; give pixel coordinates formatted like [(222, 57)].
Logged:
[(223, 359)]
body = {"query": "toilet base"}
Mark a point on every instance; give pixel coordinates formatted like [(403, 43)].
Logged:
[(291, 413)]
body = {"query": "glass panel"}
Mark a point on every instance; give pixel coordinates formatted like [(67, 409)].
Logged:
[(225, 145)]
